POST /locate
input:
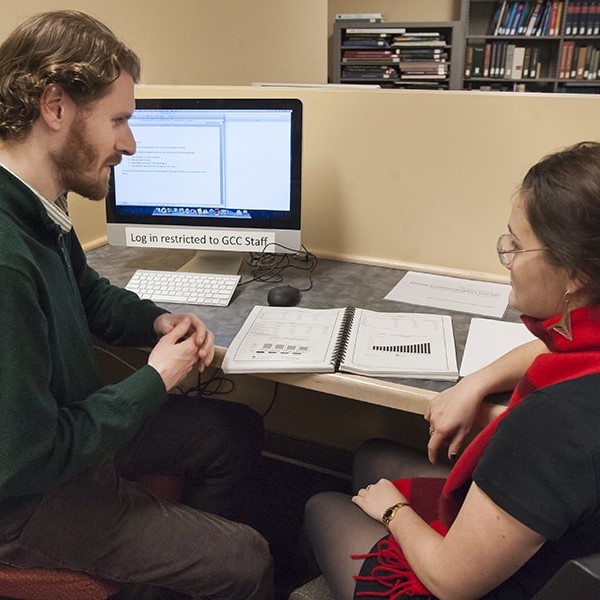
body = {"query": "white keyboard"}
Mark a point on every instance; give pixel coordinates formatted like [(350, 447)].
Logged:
[(209, 289)]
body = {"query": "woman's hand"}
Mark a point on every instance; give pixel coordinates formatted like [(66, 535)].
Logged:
[(376, 498), (451, 415), (202, 337)]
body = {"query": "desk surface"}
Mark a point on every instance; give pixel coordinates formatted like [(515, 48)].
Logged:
[(335, 284)]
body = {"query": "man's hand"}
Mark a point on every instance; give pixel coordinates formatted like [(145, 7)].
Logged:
[(202, 337)]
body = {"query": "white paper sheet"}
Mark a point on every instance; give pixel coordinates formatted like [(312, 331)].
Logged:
[(452, 293), (488, 340)]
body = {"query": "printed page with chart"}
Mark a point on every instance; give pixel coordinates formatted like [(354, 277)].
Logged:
[(305, 340), (412, 345)]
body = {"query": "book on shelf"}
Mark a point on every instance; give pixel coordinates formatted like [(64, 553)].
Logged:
[(534, 63), (572, 18), (423, 70), (594, 64), (468, 61), (510, 51), (584, 12), (533, 17), (581, 59), (512, 15), (352, 340), (574, 61), (375, 17), (367, 43), (495, 23), (368, 53), (417, 53), (424, 75), (369, 56), (368, 71), (526, 63), (552, 30), (527, 18), (587, 62), (515, 26), (382, 31), (415, 42), (566, 59), (477, 60), (542, 24), (487, 59), (501, 61), (517, 63)]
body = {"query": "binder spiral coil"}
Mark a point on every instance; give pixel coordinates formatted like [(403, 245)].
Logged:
[(341, 344)]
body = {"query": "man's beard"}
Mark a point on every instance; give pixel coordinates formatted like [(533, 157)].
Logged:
[(78, 165)]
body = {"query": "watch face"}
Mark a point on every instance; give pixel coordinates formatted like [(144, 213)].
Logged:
[(388, 513)]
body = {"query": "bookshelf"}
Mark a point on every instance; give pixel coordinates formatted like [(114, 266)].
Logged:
[(398, 55), (531, 45)]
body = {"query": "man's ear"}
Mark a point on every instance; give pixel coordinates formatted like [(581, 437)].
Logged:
[(54, 104)]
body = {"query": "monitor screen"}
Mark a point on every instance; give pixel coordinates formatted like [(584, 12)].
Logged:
[(210, 175)]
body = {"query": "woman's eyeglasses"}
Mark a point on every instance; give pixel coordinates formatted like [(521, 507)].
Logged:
[(507, 248)]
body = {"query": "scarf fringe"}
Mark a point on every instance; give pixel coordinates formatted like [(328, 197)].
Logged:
[(392, 573)]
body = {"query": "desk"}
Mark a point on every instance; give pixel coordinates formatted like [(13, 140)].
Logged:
[(335, 284)]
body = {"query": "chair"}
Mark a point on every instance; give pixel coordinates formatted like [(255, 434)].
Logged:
[(59, 584), (578, 578)]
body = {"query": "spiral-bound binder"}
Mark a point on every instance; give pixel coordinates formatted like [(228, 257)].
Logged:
[(342, 341), (353, 340)]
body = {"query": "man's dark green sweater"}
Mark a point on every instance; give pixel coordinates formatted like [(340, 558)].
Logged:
[(56, 417)]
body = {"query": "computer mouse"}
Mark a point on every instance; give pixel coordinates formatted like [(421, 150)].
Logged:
[(283, 295)]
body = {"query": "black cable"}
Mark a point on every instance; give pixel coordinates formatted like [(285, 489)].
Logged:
[(269, 267), (272, 403), (216, 384)]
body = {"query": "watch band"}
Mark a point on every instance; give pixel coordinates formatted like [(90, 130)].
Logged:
[(390, 513)]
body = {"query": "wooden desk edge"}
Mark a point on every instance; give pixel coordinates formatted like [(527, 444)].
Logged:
[(365, 389)]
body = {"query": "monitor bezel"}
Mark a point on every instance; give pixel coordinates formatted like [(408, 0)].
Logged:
[(288, 220)]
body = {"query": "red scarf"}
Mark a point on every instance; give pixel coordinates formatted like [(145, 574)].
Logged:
[(566, 360)]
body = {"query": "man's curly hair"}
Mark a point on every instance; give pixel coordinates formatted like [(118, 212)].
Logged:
[(66, 48)]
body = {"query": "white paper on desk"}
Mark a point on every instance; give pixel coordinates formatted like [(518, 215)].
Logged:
[(488, 340), (452, 293), (279, 339)]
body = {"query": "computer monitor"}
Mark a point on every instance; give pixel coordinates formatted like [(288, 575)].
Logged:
[(221, 176)]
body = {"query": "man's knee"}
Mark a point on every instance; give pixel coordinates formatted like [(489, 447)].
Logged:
[(243, 431), (252, 567)]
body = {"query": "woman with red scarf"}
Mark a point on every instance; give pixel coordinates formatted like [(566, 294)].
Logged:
[(524, 496)]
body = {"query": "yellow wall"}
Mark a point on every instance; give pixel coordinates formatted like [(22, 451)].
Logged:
[(223, 42), (413, 176)]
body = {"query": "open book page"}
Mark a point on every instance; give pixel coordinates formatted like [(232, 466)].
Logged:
[(280, 340), (419, 346)]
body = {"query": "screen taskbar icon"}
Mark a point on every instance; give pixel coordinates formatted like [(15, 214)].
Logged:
[(183, 211)]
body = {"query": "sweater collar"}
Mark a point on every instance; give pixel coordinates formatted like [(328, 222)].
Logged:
[(57, 211)]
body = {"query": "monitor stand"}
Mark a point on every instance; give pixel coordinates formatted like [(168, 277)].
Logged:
[(207, 261)]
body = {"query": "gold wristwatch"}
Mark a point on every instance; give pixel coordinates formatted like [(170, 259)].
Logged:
[(390, 513)]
